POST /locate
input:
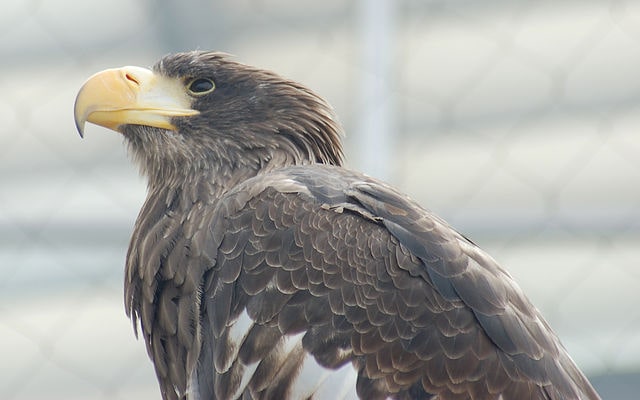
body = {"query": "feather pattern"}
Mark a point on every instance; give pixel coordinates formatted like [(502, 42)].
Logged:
[(303, 283), (258, 270)]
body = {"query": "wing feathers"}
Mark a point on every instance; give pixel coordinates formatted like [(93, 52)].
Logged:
[(321, 264)]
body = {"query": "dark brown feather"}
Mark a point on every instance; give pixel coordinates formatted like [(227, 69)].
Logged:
[(242, 225)]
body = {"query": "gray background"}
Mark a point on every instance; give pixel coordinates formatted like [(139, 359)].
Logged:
[(517, 121)]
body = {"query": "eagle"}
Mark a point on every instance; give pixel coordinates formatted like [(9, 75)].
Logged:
[(260, 268)]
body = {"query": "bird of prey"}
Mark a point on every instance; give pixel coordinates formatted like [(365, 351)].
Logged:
[(260, 268)]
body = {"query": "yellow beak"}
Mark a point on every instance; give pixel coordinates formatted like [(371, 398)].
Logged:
[(131, 95)]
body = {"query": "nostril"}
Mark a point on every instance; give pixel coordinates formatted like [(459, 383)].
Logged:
[(131, 78)]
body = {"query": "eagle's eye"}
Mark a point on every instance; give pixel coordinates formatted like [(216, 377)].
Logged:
[(201, 86)]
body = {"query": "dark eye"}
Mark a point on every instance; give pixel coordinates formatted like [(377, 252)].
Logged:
[(200, 86)]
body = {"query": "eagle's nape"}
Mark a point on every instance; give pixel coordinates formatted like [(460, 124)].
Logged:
[(260, 268)]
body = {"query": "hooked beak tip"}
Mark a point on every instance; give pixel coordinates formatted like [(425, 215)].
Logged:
[(80, 128)]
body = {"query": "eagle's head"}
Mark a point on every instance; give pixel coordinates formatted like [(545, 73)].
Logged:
[(199, 110)]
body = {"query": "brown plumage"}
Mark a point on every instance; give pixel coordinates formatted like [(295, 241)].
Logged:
[(257, 258)]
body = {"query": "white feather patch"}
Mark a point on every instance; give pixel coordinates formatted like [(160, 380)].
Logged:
[(249, 370), (240, 328), (317, 382), (238, 332), (290, 342), (312, 380)]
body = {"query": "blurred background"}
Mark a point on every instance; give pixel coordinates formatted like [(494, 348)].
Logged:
[(516, 121)]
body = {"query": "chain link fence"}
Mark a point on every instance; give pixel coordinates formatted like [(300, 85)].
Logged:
[(517, 121)]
